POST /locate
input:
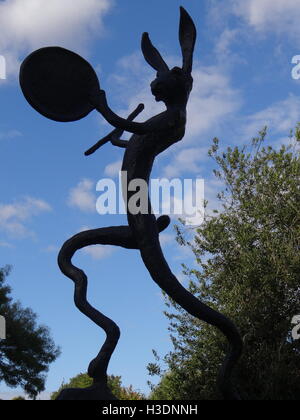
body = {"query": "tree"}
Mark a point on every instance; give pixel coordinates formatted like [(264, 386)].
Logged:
[(114, 383), (28, 350), (247, 267)]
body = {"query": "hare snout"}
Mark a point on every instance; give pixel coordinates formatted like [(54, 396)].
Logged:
[(157, 90)]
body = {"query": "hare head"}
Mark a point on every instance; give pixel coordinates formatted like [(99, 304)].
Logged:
[(173, 86)]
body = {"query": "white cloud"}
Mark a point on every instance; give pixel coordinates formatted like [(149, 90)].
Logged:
[(30, 24), (4, 244), (280, 16), (213, 100), (13, 216), (113, 169), (82, 197), (280, 118), (186, 160), (10, 134), (51, 249), (167, 239), (98, 252), (223, 45), (131, 86)]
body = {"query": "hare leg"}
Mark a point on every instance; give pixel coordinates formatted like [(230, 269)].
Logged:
[(119, 236)]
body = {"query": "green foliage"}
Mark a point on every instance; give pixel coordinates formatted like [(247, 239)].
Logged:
[(18, 399), (28, 350), (123, 393), (80, 381), (248, 267), (114, 383)]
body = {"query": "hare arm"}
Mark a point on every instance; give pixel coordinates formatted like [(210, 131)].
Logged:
[(99, 101), (116, 141), (119, 143), (117, 133), (114, 136), (118, 122)]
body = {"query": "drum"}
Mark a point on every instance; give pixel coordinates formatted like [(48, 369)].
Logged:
[(58, 83)]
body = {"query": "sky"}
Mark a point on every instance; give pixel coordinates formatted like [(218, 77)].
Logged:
[(243, 80)]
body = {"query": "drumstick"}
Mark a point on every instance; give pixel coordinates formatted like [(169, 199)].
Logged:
[(107, 138)]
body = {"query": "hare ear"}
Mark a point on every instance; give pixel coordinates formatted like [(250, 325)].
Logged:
[(152, 56), (187, 39)]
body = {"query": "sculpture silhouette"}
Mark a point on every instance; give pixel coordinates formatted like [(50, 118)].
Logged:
[(150, 138)]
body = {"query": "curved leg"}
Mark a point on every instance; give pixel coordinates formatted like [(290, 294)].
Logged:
[(155, 262), (162, 275), (119, 236)]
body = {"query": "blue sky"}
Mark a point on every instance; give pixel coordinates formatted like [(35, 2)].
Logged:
[(242, 81)]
